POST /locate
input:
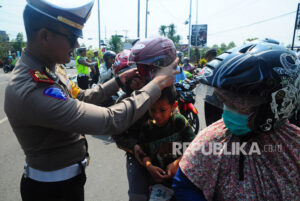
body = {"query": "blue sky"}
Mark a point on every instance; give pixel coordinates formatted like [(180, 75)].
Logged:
[(230, 20)]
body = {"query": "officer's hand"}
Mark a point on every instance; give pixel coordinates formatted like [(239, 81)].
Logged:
[(128, 75), (137, 83), (165, 76)]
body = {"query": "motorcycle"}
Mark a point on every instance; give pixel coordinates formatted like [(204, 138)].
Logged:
[(8, 67), (186, 101)]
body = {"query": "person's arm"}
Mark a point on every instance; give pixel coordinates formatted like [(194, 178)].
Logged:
[(173, 167), (184, 189), (158, 174), (48, 106), (84, 62), (75, 116)]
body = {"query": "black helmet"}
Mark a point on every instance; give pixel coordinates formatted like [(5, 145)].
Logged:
[(212, 51), (179, 54), (108, 54), (266, 73)]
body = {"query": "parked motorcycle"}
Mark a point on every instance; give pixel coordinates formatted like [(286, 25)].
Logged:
[(186, 101), (8, 67)]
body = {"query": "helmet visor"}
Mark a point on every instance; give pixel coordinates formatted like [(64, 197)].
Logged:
[(244, 104)]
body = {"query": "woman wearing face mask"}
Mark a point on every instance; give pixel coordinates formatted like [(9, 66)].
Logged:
[(253, 152)]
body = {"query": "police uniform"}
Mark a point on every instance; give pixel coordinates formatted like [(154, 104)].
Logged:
[(50, 115), (82, 70), (95, 77)]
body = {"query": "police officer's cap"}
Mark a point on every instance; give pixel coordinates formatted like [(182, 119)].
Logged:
[(96, 52), (72, 14)]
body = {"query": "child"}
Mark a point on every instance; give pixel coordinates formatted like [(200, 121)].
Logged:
[(157, 135), (149, 141)]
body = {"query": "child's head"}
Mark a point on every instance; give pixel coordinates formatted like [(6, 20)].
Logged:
[(162, 109)]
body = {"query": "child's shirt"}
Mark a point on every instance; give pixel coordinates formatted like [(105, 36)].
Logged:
[(157, 141)]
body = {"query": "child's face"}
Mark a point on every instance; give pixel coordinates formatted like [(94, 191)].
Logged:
[(161, 112)]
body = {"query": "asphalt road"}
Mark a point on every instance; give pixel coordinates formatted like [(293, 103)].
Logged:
[(106, 174)]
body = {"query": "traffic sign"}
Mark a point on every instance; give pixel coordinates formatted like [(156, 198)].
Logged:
[(199, 35)]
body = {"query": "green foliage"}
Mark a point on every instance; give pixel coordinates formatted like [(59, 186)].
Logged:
[(251, 39), (170, 32), (162, 30), (18, 43), (115, 44), (89, 53), (223, 47)]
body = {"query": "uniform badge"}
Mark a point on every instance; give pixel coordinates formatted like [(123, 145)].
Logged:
[(39, 76), (55, 92)]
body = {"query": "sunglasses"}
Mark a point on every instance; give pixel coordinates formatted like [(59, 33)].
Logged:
[(71, 38)]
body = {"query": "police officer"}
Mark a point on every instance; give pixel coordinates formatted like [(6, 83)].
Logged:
[(49, 114), (82, 66), (95, 59), (14, 59)]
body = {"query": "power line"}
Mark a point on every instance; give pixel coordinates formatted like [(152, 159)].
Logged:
[(235, 6), (259, 22)]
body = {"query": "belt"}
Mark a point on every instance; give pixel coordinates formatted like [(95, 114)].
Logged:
[(56, 175)]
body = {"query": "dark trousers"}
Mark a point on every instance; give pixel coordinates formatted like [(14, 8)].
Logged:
[(83, 82), (138, 180), (68, 190)]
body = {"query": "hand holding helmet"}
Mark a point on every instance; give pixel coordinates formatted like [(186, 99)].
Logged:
[(154, 59)]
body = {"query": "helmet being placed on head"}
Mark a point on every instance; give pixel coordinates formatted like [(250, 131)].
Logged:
[(152, 53), (121, 63), (108, 54), (261, 79)]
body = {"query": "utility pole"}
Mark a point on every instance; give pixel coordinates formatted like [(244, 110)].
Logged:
[(190, 17), (197, 12), (198, 50), (296, 22), (125, 31), (146, 24), (99, 33), (138, 22)]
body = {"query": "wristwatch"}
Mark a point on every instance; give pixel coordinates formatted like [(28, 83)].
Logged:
[(117, 77)]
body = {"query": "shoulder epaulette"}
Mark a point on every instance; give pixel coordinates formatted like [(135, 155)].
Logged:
[(39, 76)]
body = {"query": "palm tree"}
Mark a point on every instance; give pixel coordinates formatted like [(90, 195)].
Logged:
[(171, 33), (162, 30)]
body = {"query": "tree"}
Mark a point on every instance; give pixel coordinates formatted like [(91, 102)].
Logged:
[(115, 44), (162, 30), (5, 45), (18, 43), (171, 33), (251, 39), (231, 45)]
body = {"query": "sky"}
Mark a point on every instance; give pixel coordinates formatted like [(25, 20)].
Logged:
[(230, 20)]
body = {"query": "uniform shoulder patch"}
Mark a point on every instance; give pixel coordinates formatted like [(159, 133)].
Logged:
[(55, 92), (39, 76)]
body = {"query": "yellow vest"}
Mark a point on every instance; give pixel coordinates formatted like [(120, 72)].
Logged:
[(98, 62), (81, 69)]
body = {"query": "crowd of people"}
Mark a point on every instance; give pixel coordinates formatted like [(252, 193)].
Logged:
[(252, 92)]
